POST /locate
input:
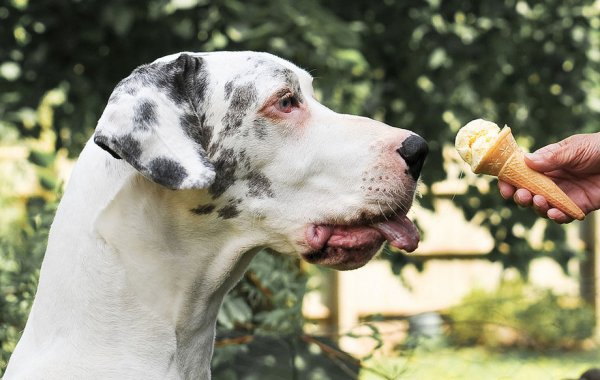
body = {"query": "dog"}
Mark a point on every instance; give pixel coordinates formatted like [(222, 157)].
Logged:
[(199, 161)]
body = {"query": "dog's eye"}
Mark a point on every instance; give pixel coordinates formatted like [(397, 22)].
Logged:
[(287, 103)]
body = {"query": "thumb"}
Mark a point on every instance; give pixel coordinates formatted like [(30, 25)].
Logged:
[(549, 158), (577, 153)]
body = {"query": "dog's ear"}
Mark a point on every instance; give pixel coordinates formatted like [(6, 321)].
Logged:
[(151, 119)]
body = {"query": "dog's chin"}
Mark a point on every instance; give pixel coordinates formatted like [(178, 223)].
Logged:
[(345, 247)]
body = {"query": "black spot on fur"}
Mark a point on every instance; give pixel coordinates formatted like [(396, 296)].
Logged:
[(129, 148), (242, 98), (184, 80), (213, 148), (259, 186), (225, 167), (228, 89), (144, 115), (229, 211), (201, 83), (196, 129), (244, 160), (191, 125), (203, 209), (207, 132), (167, 172), (261, 128), (131, 90)]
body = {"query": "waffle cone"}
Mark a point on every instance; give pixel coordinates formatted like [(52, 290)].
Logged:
[(505, 160)]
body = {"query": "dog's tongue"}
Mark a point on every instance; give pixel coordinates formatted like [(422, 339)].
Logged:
[(400, 232)]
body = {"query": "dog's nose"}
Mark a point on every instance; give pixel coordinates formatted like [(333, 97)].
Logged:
[(414, 150)]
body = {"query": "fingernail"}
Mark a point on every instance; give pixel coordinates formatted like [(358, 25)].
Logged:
[(532, 156), (537, 156), (542, 154)]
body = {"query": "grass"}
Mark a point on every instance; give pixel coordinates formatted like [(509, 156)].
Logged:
[(478, 363)]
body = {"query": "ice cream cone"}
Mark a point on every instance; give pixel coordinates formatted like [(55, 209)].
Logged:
[(505, 160)]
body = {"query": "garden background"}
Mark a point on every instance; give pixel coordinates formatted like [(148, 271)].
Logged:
[(428, 66)]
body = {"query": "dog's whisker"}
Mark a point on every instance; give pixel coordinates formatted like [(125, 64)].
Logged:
[(461, 174), (392, 209), (382, 213), (400, 207)]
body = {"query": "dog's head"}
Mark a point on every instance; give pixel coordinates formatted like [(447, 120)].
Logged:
[(245, 131)]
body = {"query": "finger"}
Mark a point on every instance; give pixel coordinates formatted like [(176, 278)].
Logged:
[(506, 190), (576, 152), (542, 160), (558, 216), (551, 157), (523, 197), (540, 205)]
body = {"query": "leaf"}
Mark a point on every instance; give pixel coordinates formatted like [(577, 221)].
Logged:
[(43, 159)]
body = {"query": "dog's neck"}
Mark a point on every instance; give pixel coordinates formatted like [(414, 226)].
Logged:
[(182, 280), (172, 259), (144, 284)]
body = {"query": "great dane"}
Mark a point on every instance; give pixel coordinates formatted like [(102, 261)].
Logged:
[(198, 162)]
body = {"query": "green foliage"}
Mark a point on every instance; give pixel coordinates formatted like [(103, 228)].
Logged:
[(81, 50), (480, 363), (435, 65), (550, 324), (266, 301), (285, 357), (20, 260), (265, 304), (517, 315), (61, 59), (426, 66)]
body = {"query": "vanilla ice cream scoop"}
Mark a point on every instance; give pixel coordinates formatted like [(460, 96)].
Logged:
[(492, 151), (475, 139)]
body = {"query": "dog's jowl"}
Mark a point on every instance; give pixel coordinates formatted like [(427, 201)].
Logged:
[(197, 163)]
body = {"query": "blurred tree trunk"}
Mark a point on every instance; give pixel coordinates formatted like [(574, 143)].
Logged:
[(590, 266)]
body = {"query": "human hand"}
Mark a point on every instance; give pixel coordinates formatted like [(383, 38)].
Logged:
[(574, 165)]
